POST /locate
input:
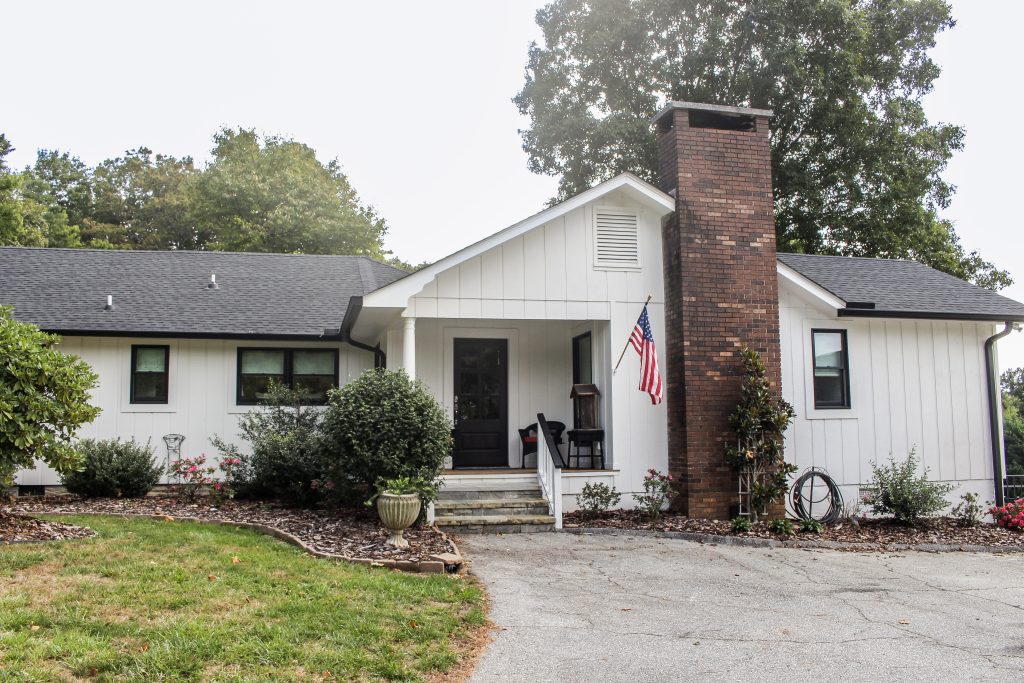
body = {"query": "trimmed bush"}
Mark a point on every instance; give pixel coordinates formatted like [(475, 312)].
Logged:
[(383, 426), (900, 492), (285, 460), (596, 498), (113, 468)]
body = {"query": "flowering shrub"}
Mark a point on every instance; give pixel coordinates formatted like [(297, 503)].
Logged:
[(657, 492), (192, 475), (223, 490), (1010, 516)]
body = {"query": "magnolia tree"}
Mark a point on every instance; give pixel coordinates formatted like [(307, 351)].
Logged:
[(760, 421), (44, 399)]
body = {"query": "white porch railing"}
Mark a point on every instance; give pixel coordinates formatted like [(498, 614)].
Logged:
[(549, 469)]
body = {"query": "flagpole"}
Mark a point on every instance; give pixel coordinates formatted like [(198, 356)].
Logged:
[(616, 368)]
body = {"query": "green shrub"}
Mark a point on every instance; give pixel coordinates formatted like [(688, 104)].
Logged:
[(741, 525), (900, 492), (596, 498), (968, 511), (113, 468), (782, 527), (44, 399), (285, 461), (811, 526), (383, 426)]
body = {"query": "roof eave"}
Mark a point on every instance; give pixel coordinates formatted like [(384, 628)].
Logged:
[(327, 335), (930, 315)]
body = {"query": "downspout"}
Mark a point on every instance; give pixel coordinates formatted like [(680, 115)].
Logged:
[(355, 304), (994, 399)]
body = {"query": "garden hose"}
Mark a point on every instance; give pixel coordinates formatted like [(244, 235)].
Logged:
[(804, 505)]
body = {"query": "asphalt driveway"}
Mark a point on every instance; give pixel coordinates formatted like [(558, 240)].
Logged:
[(617, 608)]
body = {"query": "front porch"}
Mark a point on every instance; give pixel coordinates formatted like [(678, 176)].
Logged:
[(494, 377)]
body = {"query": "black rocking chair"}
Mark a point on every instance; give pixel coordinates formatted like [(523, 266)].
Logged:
[(529, 436)]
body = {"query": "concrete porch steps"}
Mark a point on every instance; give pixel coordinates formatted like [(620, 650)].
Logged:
[(492, 504), (495, 524)]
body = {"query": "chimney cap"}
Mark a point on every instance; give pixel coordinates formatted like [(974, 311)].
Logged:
[(721, 108)]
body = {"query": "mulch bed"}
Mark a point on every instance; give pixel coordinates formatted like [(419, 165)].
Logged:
[(22, 529), (352, 533), (868, 534)]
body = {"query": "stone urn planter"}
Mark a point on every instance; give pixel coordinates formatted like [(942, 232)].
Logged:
[(398, 512)]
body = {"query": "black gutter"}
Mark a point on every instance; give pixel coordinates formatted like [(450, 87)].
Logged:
[(926, 315), (170, 334), (355, 304), (994, 399)]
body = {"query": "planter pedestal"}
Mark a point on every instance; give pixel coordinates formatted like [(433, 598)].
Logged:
[(398, 512)]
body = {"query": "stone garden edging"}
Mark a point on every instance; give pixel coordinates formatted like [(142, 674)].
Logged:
[(757, 542), (438, 564)]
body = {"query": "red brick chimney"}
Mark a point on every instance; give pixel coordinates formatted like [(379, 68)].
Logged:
[(721, 290)]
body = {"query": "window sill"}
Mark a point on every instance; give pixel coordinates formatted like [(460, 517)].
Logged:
[(148, 408), (832, 414)]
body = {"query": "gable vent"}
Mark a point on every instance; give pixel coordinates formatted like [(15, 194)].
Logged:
[(616, 239)]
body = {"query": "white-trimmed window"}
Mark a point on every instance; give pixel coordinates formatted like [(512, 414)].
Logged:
[(616, 238), (831, 369)]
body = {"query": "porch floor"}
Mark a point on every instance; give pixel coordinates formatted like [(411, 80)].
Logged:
[(505, 471)]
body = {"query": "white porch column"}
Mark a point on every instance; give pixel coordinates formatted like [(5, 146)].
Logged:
[(409, 347)]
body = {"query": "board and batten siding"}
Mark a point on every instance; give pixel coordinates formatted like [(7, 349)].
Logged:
[(201, 393), (539, 290), (914, 384)]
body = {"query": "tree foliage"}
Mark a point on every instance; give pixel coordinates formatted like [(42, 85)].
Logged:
[(1013, 419), (856, 164), (268, 194), (44, 399)]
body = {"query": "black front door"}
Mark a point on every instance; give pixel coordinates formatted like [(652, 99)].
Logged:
[(481, 403)]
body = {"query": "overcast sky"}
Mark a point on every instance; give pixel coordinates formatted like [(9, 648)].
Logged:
[(414, 99)]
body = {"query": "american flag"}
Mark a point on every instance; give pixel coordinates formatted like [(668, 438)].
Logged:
[(643, 341)]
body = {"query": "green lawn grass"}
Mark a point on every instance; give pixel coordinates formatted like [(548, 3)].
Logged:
[(150, 600)]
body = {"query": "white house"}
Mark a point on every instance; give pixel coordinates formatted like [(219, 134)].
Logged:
[(877, 356)]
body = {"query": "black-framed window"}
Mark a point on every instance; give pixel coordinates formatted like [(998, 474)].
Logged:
[(831, 369), (312, 371), (582, 359), (150, 366)]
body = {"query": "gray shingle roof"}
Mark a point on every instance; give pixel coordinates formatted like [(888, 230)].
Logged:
[(165, 292), (901, 289)]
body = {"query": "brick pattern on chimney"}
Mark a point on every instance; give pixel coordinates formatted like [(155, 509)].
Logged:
[(721, 292)]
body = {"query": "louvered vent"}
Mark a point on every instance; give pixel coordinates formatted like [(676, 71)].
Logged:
[(615, 239)]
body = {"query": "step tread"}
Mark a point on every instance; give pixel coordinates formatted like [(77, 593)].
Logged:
[(488, 503), (473, 520)]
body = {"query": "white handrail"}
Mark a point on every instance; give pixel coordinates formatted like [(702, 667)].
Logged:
[(548, 475)]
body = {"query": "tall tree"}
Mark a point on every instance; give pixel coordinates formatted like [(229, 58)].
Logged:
[(24, 220), (1013, 419), (272, 194), (143, 201), (856, 163)]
